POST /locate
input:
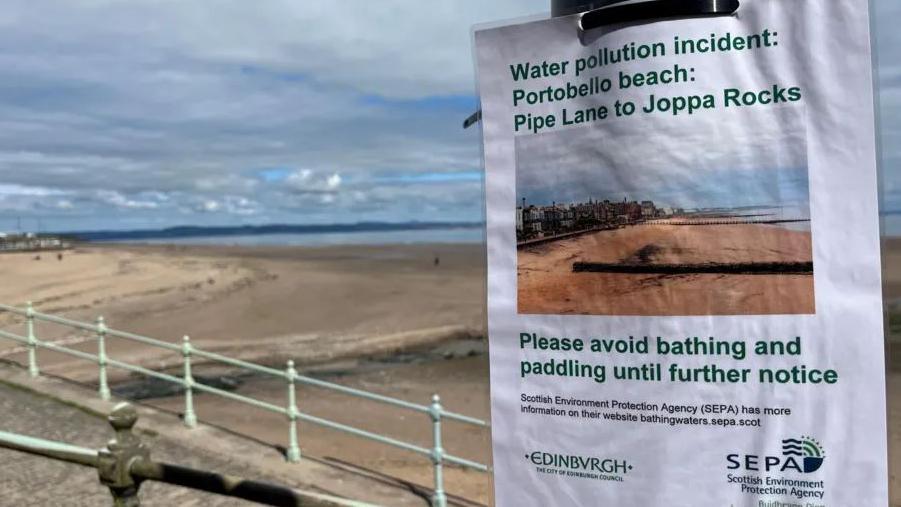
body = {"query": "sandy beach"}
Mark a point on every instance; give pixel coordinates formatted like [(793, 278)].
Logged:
[(548, 285), (239, 289), (258, 300), (385, 319)]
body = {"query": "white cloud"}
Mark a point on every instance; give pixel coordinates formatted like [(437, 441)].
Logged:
[(210, 206), (299, 178), (119, 200), (27, 191), (306, 181), (333, 181), (237, 205)]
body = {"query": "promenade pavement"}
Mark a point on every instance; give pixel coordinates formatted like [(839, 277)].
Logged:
[(33, 480), (51, 409)]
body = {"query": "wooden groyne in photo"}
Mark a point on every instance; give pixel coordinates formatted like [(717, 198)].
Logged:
[(725, 221), (740, 268)]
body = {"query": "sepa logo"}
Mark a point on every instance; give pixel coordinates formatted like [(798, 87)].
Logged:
[(809, 450), (804, 455)]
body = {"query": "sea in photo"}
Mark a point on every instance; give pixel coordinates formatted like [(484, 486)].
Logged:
[(468, 235)]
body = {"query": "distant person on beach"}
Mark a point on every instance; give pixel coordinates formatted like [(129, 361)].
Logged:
[(59, 256), (437, 261)]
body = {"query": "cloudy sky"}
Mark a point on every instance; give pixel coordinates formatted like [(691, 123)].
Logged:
[(752, 157), (144, 114)]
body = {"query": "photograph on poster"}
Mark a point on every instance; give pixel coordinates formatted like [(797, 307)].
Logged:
[(706, 216)]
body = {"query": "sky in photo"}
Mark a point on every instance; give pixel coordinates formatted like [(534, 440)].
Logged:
[(737, 158), (120, 114)]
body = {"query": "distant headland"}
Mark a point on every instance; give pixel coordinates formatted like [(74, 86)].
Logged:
[(252, 230)]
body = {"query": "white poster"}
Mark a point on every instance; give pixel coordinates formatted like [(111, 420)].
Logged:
[(683, 260)]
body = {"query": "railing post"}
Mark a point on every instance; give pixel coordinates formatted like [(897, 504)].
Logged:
[(439, 499), (114, 463), (190, 417), (32, 341), (293, 453), (101, 358)]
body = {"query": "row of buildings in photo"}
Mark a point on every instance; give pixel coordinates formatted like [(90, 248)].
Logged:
[(536, 221)]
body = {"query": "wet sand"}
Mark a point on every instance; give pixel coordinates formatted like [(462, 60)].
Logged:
[(548, 285), (891, 269), (461, 381)]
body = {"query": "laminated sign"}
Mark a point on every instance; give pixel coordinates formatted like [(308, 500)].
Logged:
[(683, 260)]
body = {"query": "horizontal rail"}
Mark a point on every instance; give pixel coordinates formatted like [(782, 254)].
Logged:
[(144, 371), (142, 339), (13, 309), (465, 419), (63, 350), (237, 362), (362, 394), (363, 433), (14, 337), (65, 322), (386, 399), (138, 468), (466, 463), (234, 486), (49, 449), (237, 397)]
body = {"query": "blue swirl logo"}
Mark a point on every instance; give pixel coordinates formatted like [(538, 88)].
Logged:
[(807, 449)]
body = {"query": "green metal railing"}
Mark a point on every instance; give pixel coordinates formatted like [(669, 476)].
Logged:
[(435, 412), (125, 463)]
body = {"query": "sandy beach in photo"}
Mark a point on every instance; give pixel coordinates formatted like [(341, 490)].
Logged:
[(609, 222), (547, 283)]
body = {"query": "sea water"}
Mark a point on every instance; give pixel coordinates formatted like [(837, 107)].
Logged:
[(453, 235)]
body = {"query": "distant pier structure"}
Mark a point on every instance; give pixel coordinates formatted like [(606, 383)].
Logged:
[(30, 242)]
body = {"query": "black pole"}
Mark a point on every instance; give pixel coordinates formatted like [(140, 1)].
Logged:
[(567, 7)]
